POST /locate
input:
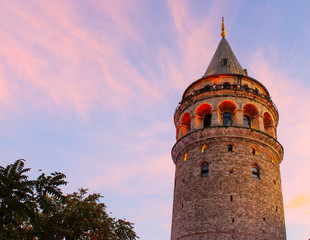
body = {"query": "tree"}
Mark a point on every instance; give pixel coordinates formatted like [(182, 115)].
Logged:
[(16, 196), (37, 209)]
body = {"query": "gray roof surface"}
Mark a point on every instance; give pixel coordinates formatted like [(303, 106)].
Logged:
[(223, 51)]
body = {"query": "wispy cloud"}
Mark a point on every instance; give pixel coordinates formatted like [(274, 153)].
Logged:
[(53, 61), (298, 201)]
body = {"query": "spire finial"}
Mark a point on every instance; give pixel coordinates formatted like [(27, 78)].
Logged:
[(223, 34)]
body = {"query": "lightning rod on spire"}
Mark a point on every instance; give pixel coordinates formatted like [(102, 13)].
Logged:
[(223, 34)]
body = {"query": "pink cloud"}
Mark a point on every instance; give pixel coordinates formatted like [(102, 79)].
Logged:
[(57, 64)]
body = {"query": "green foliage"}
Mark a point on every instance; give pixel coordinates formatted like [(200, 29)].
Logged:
[(37, 209)]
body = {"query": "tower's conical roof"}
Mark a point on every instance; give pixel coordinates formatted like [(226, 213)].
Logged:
[(224, 61)]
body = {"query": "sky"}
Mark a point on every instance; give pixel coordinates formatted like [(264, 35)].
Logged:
[(89, 88)]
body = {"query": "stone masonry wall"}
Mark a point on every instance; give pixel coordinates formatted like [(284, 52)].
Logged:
[(229, 203)]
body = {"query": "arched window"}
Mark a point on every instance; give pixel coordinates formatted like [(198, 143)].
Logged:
[(256, 172), (205, 170), (250, 114), (207, 120), (227, 108), (227, 119), (268, 124), (185, 124), (246, 121), (203, 115), (226, 85)]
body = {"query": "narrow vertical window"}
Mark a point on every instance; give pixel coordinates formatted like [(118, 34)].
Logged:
[(207, 120), (254, 151), (256, 172), (230, 148), (205, 170), (224, 62), (246, 121), (227, 119)]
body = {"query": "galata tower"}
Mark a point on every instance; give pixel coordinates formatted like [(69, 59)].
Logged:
[(227, 157)]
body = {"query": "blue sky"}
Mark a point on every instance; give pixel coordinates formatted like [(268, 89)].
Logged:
[(89, 88)]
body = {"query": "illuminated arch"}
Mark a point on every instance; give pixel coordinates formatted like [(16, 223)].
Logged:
[(227, 106), (185, 124), (227, 109), (268, 124), (203, 115), (250, 111)]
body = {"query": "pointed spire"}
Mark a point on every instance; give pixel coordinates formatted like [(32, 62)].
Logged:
[(223, 34), (224, 60)]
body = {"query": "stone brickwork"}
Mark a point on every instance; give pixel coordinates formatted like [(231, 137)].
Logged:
[(229, 203)]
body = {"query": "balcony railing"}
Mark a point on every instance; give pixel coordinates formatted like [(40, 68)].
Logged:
[(218, 87)]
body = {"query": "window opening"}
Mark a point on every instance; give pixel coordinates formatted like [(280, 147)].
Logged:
[(254, 151), (264, 219), (233, 220), (207, 87), (207, 120), (204, 149), (205, 170), (185, 157), (231, 198), (230, 148), (227, 119), (255, 172), (226, 85), (246, 121), (276, 209), (224, 62), (246, 87)]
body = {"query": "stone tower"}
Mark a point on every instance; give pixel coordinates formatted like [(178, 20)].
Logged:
[(227, 157)]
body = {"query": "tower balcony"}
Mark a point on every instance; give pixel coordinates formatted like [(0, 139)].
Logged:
[(224, 87)]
